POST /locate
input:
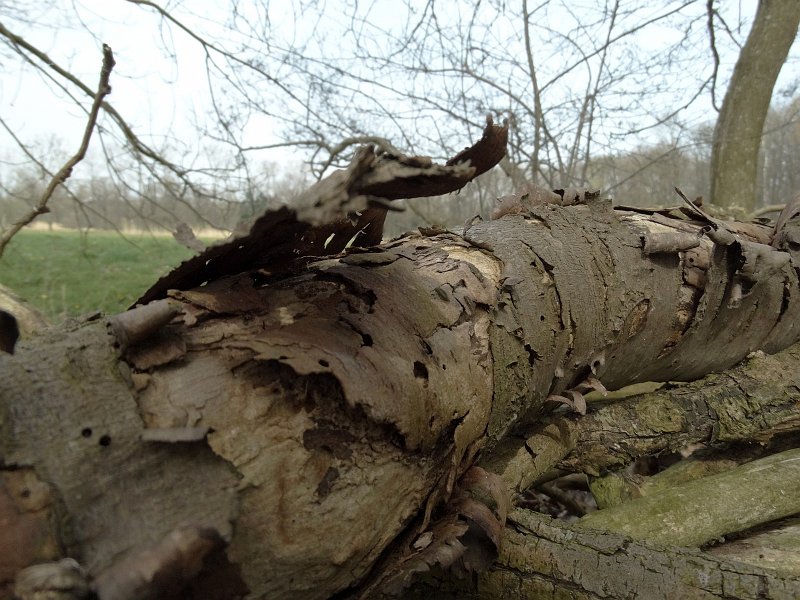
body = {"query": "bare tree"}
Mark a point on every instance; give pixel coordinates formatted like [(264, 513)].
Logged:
[(779, 180), (103, 89), (322, 78), (737, 137), (130, 160), (548, 65), (588, 82)]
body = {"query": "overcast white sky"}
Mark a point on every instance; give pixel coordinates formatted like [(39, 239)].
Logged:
[(150, 91), (158, 96)]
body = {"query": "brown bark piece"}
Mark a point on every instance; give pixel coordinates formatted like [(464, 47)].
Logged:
[(338, 210), (27, 534)]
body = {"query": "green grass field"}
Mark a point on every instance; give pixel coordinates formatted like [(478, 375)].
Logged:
[(66, 273)]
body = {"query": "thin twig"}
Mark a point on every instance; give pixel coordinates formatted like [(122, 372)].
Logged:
[(103, 90), (24, 48), (712, 40)]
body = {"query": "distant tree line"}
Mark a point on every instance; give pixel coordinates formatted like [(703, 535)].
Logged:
[(100, 202), (577, 87), (643, 176)]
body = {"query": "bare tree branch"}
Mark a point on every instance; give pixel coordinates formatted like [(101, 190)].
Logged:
[(103, 89), (712, 41)]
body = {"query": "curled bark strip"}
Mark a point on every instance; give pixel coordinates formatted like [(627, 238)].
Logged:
[(340, 210), (465, 539), (488, 151), (656, 243), (783, 236), (478, 479), (138, 324), (160, 571)]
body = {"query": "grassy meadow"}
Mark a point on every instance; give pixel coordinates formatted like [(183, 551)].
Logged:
[(67, 273)]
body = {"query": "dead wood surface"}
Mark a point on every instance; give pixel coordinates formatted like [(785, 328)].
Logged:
[(776, 547), (705, 509), (753, 403), (310, 414), (545, 558)]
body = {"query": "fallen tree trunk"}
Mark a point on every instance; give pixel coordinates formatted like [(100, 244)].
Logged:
[(700, 511), (543, 558), (752, 403), (305, 417), (749, 404)]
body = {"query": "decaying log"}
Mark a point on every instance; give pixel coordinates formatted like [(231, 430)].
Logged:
[(697, 512), (312, 413), (545, 558), (751, 403), (776, 547)]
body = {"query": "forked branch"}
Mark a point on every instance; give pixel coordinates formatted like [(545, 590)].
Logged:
[(64, 173)]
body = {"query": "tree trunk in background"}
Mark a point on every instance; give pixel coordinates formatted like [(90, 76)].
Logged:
[(737, 137)]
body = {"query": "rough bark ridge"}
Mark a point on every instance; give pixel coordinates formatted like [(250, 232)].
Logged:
[(311, 414)]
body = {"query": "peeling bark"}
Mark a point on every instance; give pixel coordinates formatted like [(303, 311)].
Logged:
[(284, 419), (358, 390), (751, 403)]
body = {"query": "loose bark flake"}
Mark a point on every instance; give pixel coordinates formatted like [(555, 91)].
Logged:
[(465, 539), (344, 208)]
